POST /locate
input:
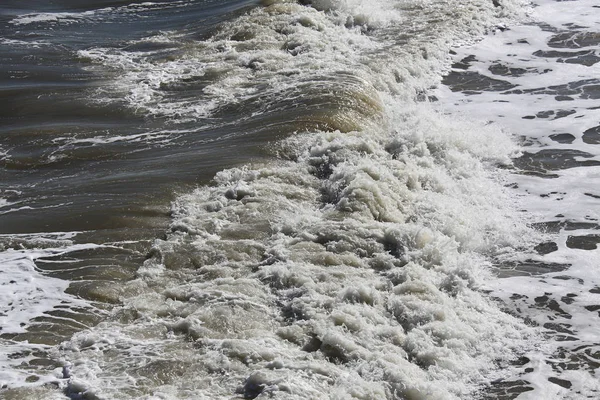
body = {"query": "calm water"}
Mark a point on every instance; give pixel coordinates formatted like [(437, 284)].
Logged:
[(233, 199)]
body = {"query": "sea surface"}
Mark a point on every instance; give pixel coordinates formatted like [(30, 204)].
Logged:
[(323, 199)]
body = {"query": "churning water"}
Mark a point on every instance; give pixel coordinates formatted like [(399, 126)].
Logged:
[(327, 199)]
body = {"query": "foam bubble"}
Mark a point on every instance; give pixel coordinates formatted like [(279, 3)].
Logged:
[(335, 262), (294, 56), (538, 81), (27, 295), (351, 262), (68, 18)]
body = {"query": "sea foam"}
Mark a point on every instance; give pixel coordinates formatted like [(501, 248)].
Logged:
[(349, 262)]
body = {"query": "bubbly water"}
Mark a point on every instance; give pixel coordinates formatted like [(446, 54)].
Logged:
[(288, 200), (540, 82)]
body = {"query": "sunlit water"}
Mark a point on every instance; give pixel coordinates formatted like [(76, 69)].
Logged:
[(283, 200)]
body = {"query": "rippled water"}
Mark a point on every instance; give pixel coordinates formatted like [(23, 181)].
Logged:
[(284, 200)]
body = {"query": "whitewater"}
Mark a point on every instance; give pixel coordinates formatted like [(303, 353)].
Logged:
[(374, 227)]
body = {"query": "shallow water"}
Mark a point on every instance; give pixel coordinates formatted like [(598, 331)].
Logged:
[(232, 199), (548, 98)]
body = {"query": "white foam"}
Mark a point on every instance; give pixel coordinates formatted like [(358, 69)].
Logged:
[(156, 137), (5, 210), (381, 294), (279, 48), (379, 262), (28, 294), (20, 43), (68, 18), (5, 203), (567, 197), (62, 17), (349, 266)]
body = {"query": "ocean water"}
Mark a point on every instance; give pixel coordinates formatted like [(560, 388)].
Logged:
[(539, 81), (327, 199)]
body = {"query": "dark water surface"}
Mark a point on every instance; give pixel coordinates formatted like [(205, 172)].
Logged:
[(71, 164)]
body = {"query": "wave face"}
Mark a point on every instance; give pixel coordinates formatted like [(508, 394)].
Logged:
[(351, 271), (348, 260)]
